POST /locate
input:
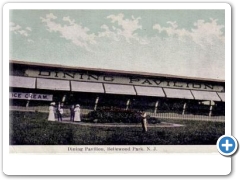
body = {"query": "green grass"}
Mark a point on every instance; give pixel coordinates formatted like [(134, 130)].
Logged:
[(33, 129)]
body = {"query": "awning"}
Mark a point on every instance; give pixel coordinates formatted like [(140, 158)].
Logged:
[(205, 95), (222, 96), (178, 93), (22, 82), (119, 89), (149, 91), (53, 84), (87, 87)]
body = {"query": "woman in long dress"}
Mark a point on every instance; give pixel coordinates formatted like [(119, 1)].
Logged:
[(51, 116), (144, 121), (77, 113)]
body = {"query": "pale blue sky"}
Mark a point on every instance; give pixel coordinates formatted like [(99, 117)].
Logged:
[(178, 42)]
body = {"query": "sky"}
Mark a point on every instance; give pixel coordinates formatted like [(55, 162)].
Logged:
[(177, 42)]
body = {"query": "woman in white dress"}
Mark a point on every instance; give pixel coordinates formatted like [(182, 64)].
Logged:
[(51, 116), (77, 113), (144, 121)]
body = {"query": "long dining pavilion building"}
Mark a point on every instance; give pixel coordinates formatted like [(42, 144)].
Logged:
[(33, 86)]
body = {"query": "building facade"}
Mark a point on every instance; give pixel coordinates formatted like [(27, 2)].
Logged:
[(34, 85)]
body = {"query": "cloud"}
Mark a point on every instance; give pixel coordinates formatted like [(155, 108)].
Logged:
[(51, 16), (196, 52), (13, 27), (81, 36), (71, 22), (126, 29), (74, 32), (28, 28), (129, 26), (23, 32), (52, 26), (17, 29), (203, 33), (108, 33), (207, 32), (172, 30), (30, 40)]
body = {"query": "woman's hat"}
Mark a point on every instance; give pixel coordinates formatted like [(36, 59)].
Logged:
[(77, 105), (52, 103)]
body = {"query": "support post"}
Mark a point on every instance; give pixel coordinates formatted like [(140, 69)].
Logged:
[(184, 108), (156, 107), (28, 101), (27, 104), (64, 98), (211, 107), (127, 104), (96, 103)]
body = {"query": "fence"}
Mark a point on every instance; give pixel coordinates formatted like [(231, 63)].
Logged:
[(157, 115), (187, 117), (42, 109)]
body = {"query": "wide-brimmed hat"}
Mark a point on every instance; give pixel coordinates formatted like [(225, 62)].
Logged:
[(52, 103), (77, 105)]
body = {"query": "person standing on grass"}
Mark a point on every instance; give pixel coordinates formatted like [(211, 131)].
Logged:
[(77, 113), (72, 113), (51, 116), (59, 113), (144, 121)]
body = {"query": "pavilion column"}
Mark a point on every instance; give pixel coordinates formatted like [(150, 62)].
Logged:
[(27, 104), (210, 109), (64, 98), (184, 108), (96, 103), (127, 104), (28, 101), (156, 107)]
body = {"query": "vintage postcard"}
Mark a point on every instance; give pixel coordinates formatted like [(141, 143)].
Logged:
[(140, 79)]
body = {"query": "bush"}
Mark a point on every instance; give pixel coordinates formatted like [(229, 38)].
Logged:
[(153, 120), (114, 115), (118, 116)]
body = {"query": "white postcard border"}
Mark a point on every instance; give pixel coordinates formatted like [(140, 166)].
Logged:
[(161, 163)]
